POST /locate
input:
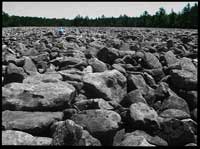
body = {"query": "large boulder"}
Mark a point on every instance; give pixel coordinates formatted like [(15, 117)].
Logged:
[(183, 79), (102, 124), (29, 66), (97, 65), (186, 76), (108, 55), (143, 117), (170, 58), (176, 132), (37, 96), (133, 97), (35, 123), (12, 137), (109, 85), (69, 133), (151, 61), (45, 78), (14, 74), (132, 140), (174, 113)]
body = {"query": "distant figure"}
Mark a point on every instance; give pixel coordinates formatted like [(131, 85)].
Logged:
[(61, 31)]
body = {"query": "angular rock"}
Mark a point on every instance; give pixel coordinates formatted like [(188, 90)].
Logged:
[(37, 96), (154, 140), (134, 96), (14, 74), (144, 117), (29, 66), (109, 85), (93, 104), (102, 124), (132, 140), (35, 123), (12, 137), (174, 113), (182, 79), (45, 78), (151, 61), (170, 58), (176, 133), (97, 65), (108, 55)]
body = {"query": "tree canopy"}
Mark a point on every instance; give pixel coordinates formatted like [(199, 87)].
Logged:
[(187, 18)]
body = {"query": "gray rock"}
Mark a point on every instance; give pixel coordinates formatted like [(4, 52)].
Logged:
[(109, 85), (37, 96), (176, 133), (14, 74), (170, 58), (174, 113), (102, 124), (132, 140), (97, 65), (144, 117), (12, 137), (29, 66), (35, 123), (108, 55), (134, 96)]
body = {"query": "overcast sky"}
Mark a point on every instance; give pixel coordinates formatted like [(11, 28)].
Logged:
[(91, 9)]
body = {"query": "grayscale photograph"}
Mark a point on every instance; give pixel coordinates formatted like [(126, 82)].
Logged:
[(99, 73)]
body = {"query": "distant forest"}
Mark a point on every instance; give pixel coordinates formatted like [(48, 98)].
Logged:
[(187, 18)]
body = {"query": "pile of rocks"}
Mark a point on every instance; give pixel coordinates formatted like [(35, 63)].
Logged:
[(99, 87)]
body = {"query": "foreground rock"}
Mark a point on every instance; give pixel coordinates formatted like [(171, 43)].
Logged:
[(35, 123), (143, 117), (102, 124), (12, 137), (176, 132), (69, 133), (37, 96), (110, 85)]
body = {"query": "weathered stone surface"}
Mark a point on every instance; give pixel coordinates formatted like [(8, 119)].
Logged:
[(97, 103), (29, 66), (154, 140), (102, 124), (36, 123), (12, 137), (108, 55), (45, 78), (37, 96), (170, 58), (151, 62), (132, 140), (110, 85), (14, 74), (97, 65), (134, 96), (174, 113), (142, 116), (176, 133)]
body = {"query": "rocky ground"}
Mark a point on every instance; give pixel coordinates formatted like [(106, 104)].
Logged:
[(99, 86)]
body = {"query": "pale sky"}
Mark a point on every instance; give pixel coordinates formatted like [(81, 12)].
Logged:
[(69, 10)]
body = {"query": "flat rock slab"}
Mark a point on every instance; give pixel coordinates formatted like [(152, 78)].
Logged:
[(12, 137), (110, 85), (37, 96), (36, 123)]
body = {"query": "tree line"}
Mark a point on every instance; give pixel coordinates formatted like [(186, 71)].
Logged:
[(187, 18)]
